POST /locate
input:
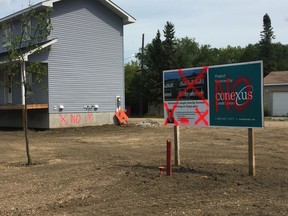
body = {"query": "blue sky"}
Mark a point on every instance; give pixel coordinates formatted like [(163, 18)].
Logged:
[(215, 22)]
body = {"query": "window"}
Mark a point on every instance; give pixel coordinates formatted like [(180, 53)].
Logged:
[(26, 29), (6, 35)]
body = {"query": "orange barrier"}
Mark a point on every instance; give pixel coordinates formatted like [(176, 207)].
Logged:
[(121, 116)]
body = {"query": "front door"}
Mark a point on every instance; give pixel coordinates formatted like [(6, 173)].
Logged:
[(8, 90)]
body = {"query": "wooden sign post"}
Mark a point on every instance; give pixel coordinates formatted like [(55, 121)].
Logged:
[(251, 151), (177, 145)]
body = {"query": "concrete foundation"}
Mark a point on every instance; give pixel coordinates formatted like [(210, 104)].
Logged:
[(41, 119), (65, 120)]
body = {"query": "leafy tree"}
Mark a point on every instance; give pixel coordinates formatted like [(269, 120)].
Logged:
[(207, 56), (250, 53), (187, 51), (230, 55), (280, 56), (266, 48), (36, 26), (132, 84)]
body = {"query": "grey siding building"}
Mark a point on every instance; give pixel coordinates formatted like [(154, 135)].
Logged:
[(276, 94), (85, 67)]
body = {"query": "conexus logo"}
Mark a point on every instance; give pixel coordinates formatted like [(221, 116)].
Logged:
[(239, 95)]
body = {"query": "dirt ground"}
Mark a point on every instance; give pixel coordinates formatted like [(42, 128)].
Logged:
[(112, 170)]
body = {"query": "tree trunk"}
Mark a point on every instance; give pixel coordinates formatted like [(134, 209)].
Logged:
[(25, 125)]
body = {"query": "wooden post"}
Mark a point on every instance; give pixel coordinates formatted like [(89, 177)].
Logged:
[(177, 145), (251, 151), (169, 159)]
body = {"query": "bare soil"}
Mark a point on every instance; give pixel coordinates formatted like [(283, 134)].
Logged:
[(113, 170)]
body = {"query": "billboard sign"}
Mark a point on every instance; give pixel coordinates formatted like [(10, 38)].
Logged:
[(225, 96)]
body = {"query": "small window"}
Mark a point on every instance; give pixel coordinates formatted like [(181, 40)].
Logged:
[(26, 30), (6, 35)]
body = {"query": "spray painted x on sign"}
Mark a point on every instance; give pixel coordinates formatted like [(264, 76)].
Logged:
[(225, 95)]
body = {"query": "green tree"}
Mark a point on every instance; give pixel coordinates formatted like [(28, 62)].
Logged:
[(152, 77), (207, 56), (250, 53), (266, 48), (20, 43), (169, 47), (187, 51), (230, 55), (280, 56), (159, 55), (132, 84)]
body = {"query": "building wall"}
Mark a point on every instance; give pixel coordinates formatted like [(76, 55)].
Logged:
[(2, 92), (86, 63), (268, 99)]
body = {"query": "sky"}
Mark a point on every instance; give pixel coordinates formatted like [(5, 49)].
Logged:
[(218, 23)]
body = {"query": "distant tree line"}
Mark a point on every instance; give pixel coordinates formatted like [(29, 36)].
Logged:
[(173, 53)]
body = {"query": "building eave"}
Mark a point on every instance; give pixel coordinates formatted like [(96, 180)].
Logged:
[(18, 13), (25, 55), (127, 18)]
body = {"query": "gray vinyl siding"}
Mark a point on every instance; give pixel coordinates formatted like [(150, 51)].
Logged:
[(39, 92), (2, 93), (86, 63)]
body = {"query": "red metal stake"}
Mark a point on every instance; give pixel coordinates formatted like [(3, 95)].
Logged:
[(169, 159)]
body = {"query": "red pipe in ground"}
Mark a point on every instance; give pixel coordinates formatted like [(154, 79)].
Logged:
[(169, 159)]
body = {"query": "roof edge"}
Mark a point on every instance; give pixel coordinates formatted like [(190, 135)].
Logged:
[(47, 3), (25, 55), (127, 18)]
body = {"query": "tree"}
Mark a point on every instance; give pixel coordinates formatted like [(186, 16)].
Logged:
[(266, 49), (280, 56), (230, 55), (132, 82), (207, 56), (187, 51), (169, 47), (251, 53), (159, 55), (20, 43), (153, 73)]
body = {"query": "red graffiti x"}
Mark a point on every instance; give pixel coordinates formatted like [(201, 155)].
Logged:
[(201, 117), (190, 85), (63, 119), (89, 118)]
